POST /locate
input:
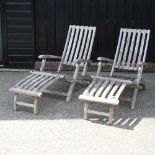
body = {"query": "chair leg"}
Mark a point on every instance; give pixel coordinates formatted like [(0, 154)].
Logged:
[(85, 111), (70, 91), (111, 111), (134, 98), (36, 105), (16, 95), (142, 84)]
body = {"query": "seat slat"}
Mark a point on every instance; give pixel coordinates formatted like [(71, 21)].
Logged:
[(95, 88), (30, 84), (88, 89), (113, 91), (99, 100), (28, 80), (37, 82), (106, 91), (103, 86), (49, 83), (22, 81), (120, 90), (43, 83)]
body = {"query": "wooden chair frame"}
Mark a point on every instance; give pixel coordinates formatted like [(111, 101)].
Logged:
[(130, 55), (77, 52)]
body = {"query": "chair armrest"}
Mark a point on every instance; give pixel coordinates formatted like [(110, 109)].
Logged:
[(49, 57), (104, 59), (83, 61), (142, 63)]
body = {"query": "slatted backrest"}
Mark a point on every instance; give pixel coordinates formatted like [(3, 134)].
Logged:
[(78, 44), (131, 49)]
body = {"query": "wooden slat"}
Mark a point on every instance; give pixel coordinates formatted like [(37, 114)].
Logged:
[(49, 83), (48, 74), (136, 48), (20, 82), (146, 45), (55, 92), (91, 43), (69, 45), (103, 86), (42, 84), (113, 79), (131, 48), (126, 48), (106, 91), (120, 90), (86, 92), (141, 48), (37, 82), (73, 47), (83, 42), (66, 44), (27, 81), (87, 43), (78, 44), (95, 88), (113, 91), (97, 113), (118, 47), (30, 83), (121, 47), (26, 92), (25, 104), (99, 100)]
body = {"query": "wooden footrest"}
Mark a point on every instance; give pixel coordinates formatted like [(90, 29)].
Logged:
[(104, 91), (35, 83)]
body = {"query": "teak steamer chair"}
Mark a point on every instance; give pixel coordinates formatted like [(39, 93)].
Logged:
[(77, 52), (130, 55)]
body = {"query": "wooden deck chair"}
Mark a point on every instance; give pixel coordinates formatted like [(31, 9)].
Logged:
[(130, 55), (77, 52)]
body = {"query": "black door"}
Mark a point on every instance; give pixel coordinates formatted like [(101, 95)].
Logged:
[(18, 34)]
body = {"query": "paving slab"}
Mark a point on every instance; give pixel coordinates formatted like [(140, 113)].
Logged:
[(59, 129)]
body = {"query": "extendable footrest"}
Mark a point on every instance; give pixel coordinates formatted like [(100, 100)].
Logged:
[(103, 90), (33, 85)]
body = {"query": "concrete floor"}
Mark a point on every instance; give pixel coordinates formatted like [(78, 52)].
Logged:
[(60, 128)]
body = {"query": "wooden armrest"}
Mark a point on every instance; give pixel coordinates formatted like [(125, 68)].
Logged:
[(112, 79), (49, 57), (104, 59), (142, 63), (83, 61)]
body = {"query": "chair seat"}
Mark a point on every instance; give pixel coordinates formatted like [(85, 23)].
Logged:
[(104, 91), (35, 83)]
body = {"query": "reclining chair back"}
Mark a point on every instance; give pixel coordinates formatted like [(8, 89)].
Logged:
[(131, 49), (78, 44)]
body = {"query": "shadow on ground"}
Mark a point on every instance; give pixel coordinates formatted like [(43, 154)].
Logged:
[(54, 107)]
